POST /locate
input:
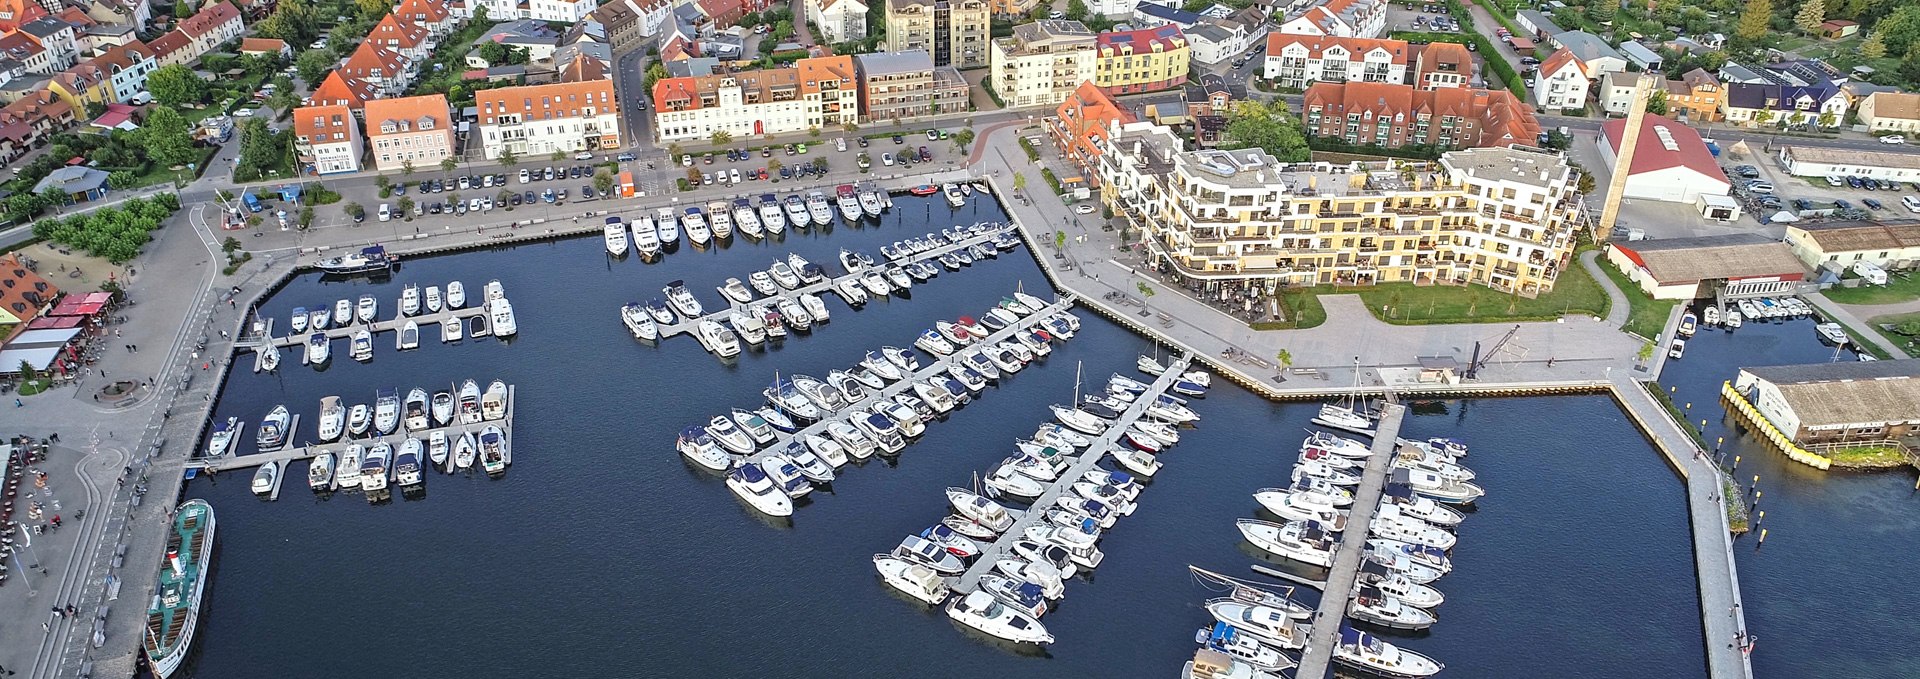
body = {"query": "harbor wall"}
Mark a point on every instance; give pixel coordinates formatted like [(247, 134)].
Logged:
[(1753, 419)]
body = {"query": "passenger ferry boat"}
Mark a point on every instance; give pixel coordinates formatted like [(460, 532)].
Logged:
[(175, 610)]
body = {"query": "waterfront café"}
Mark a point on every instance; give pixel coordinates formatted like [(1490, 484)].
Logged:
[(41, 350)]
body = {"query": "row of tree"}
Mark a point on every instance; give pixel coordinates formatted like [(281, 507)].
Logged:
[(115, 233)]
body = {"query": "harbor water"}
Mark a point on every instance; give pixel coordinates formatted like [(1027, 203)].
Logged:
[(1828, 594), (602, 553)]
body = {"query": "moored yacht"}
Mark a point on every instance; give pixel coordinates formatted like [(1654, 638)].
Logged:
[(668, 225), (615, 234), (174, 614)]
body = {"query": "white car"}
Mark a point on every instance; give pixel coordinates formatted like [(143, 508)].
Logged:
[(583, 155), (1893, 139), (386, 212), (473, 205), (524, 177), (486, 204), (1083, 209), (243, 113), (733, 176), (886, 158)]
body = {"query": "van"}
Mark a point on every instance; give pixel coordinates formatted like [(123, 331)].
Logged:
[(1912, 203), (840, 144), (1760, 187), (386, 212)]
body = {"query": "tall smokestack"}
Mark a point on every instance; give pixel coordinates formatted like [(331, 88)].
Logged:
[(1623, 161)]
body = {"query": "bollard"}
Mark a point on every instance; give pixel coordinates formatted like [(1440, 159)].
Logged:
[(1763, 539), (1759, 517), (1736, 462)]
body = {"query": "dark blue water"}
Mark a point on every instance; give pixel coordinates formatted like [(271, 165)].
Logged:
[(601, 553), (1828, 594)]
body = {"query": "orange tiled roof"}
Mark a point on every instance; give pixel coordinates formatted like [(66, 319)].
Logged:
[(816, 70), (545, 102), (1500, 118), (341, 90), (320, 123), (371, 60), (410, 109), (1559, 60), (209, 18), (428, 11), (395, 33), (22, 293), (1317, 45), (262, 44), (169, 43)]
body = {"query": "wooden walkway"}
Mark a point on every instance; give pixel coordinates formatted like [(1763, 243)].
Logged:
[(937, 365), (827, 285), (309, 451), (1325, 631), (425, 321), (1102, 444)]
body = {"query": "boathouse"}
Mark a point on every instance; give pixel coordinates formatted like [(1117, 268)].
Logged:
[(1837, 402), (1734, 265)]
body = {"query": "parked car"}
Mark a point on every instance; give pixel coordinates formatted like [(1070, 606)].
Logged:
[(586, 193), (886, 159), (1758, 186), (925, 155), (686, 160), (529, 198), (863, 142), (465, 183), (624, 157), (1893, 139), (1083, 209), (1855, 182), (897, 139), (1911, 203), (1873, 204), (583, 155), (525, 177)]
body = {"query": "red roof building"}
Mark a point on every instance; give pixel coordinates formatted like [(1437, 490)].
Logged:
[(1388, 115), (1084, 121), (1670, 161)]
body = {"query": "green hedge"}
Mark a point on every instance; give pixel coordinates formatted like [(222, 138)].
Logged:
[(1052, 181), (1033, 155)]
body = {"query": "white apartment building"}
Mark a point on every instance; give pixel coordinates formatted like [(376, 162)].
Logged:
[(1496, 217), (1297, 61), (536, 120), (838, 20), (1561, 83), (563, 11), (327, 139), (821, 92), (1042, 62)]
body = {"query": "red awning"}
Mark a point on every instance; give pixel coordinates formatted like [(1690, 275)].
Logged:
[(56, 322), (70, 307)]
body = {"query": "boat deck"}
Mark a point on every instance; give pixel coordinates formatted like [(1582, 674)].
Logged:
[(1102, 444), (828, 285), (309, 451), (934, 365), (1323, 634)]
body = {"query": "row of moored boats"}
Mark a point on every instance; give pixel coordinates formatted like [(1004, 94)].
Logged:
[(317, 350), (655, 233), (1046, 544)]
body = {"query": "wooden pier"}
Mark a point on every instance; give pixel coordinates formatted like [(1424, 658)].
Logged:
[(1102, 444), (936, 365), (309, 451), (425, 321), (1325, 632), (827, 285)]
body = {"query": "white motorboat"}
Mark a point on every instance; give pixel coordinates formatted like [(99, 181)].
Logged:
[(406, 463), (1335, 445), (272, 433), (493, 404), (1367, 653), (333, 419), (1006, 481), (683, 300), (795, 315), (359, 419), (1301, 541), (1294, 506), (1245, 654), (955, 543), (410, 300), (1019, 595), (1315, 469), (646, 236), (1390, 524), (870, 203), (1136, 461), (1711, 315), (669, 226), (1053, 434), (1037, 572), (361, 346), (850, 389), (269, 359), (1401, 565), (748, 325), (810, 465), (495, 290), (1269, 624), (717, 338), (983, 612), (851, 439), (826, 397), (414, 410), (1428, 460), (934, 396), (373, 467), (954, 197), (347, 472), (1427, 555), (697, 445), (973, 381), (745, 218), (320, 471), (719, 219), (408, 337), (1399, 585), (826, 449), (456, 295), (1078, 541), (1325, 492), (980, 510), (342, 313), (752, 484), (904, 416), (770, 214), (736, 291), (729, 435), (928, 553), (849, 204), (796, 212), (814, 307), (450, 329), (818, 209), (696, 225), (1079, 420), (1422, 508), (912, 579), (931, 342), (464, 450), (437, 448), (299, 319), (785, 475), (754, 425), (615, 234), (500, 318), (639, 322), (1831, 332), (784, 275), (897, 277), (1371, 605), (1439, 488), (442, 408), (1734, 320), (266, 478), (882, 430), (1678, 349), (1166, 408), (386, 411), (1157, 431), (783, 394), (367, 309), (469, 402)]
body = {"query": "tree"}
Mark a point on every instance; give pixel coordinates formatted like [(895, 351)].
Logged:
[(1285, 358), (656, 71), (820, 165), (1874, 47), (721, 137), (1657, 102), (1900, 30), (813, 132), (1252, 124), (24, 206), (1059, 241), (121, 179), (406, 206), (167, 138), (174, 85), (558, 155), (1752, 24), (1764, 118), (373, 9), (773, 166), (504, 198), (312, 65), (963, 138), (507, 158), (674, 151), (1603, 11), (384, 184), (406, 168), (305, 218), (1039, 12), (1828, 120), (294, 21), (603, 181), (1810, 16), (1076, 10), (448, 164), (850, 127), (1019, 181)]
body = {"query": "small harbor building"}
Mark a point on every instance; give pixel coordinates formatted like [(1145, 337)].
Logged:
[(1671, 163), (1837, 402), (1737, 265), (1814, 161), (1890, 245)]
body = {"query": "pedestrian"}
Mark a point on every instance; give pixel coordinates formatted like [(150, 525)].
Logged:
[(116, 332), (205, 366), (71, 611), (56, 435), (223, 334), (103, 374), (18, 404), (136, 348), (233, 304)]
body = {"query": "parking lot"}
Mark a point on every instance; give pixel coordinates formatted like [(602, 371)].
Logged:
[(550, 184), (1765, 190), (772, 162)]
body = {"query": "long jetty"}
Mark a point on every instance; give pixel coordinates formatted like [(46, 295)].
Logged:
[(424, 321), (937, 365), (1098, 450), (1353, 542), (311, 450), (824, 285)]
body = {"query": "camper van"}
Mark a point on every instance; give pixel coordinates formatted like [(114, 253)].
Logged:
[(1870, 272)]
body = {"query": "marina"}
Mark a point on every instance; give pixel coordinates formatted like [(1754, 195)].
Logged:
[(601, 404), (309, 451), (1102, 446), (1341, 578)]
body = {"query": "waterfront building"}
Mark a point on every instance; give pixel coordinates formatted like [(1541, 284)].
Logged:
[(535, 120), (1392, 116), (955, 32), (818, 92), (1141, 60), (412, 132), (1082, 122), (1845, 401), (1042, 62), (1733, 265), (838, 20), (1503, 218), (895, 85), (326, 139), (1891, 245)]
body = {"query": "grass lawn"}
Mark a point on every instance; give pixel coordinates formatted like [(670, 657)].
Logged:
[(1303, 309), (1648, 316), (1898, 289), (1868, 456), (1899, 340), (1408, 304)]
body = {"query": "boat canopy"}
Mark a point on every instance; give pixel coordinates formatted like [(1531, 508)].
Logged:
[(1312, 532), (1370, 567), (1399, 490), (751, 473), (1029, 594), (812, 270), (693, 432), (1350, 636)]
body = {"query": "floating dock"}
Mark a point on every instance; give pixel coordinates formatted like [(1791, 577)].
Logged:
[(425, 321), (307, 452), (937, 365), (1325, 632), (827, 285), (1102, 444)]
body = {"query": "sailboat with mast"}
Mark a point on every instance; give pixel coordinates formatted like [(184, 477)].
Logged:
[(1351, 413)]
